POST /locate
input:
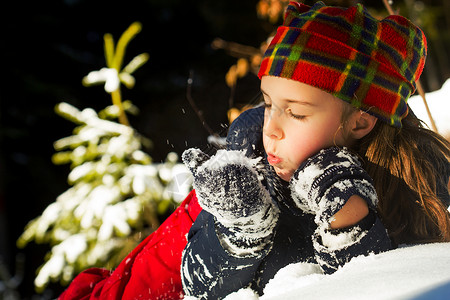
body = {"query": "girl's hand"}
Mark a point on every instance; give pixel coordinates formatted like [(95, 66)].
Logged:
[(227, 183), (332, 180), (228, 186)]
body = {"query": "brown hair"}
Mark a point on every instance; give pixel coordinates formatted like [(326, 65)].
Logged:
[(405, 164)]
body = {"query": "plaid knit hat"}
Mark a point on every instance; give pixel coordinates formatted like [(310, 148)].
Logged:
[(371, 64)]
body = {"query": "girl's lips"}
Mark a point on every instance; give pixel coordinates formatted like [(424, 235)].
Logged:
[(272, 159)]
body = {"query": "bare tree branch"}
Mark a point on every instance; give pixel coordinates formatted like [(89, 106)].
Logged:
[(418, 84), (194, 106)]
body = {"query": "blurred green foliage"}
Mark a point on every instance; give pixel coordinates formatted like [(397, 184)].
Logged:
[(117, 191)]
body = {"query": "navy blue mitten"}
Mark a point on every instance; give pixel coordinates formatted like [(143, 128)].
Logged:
[(228, 186), (321, 186), (323, 183)]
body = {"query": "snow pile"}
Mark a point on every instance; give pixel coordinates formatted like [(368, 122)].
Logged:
[(411, 272), (439, 105), (291, 278)]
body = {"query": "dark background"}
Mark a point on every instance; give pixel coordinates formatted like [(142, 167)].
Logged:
[(48, 46)]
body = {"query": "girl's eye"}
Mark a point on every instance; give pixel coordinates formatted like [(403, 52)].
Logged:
[(295, 116)]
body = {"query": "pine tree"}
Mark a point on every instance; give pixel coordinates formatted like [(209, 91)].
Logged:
[(116, 193)]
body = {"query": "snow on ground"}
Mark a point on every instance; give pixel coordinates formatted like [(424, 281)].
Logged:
[(411, 272), (439, 105), (403, 273)]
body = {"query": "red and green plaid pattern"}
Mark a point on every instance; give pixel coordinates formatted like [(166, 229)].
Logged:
[(372, 64)]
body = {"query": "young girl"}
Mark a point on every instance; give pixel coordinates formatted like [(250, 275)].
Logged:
[(315, 176), (335, 84)]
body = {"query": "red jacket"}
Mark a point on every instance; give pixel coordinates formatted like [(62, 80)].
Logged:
[(150, 271)]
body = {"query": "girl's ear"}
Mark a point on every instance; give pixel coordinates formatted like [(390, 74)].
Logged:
[(361, 124)]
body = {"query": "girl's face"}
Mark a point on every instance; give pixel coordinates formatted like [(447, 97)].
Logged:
[(299, 120)]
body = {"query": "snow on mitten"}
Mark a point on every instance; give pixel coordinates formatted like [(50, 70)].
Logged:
[(228, 186), (321, 186), (323, 183)]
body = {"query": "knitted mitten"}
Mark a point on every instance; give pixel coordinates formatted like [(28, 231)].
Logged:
[(228, 186), (321, 186)]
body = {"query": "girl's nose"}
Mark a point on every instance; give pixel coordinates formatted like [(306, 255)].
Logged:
[(272, 127)]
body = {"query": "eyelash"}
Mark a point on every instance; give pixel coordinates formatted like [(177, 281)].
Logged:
[(297, 117)]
